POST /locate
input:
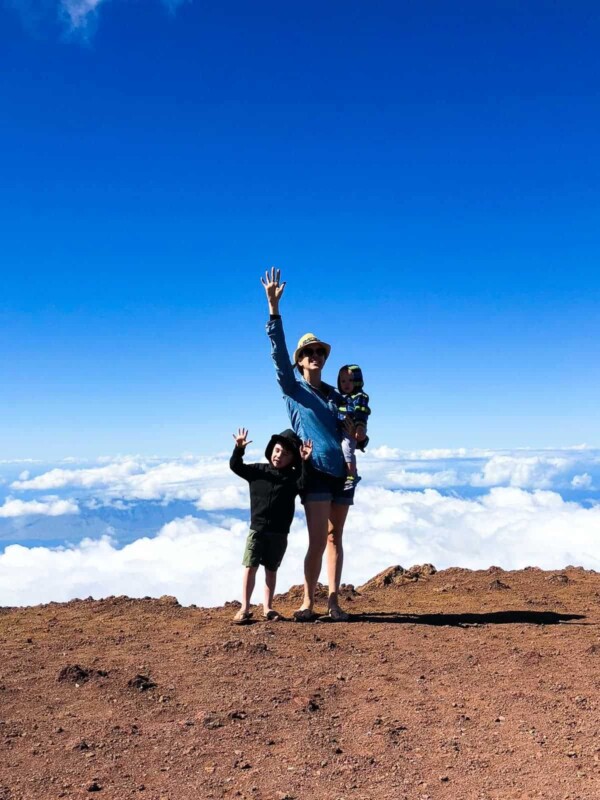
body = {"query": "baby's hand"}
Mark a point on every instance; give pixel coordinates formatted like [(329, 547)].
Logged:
[(241, 438), (360, 434), (349, 427), (306, 449)]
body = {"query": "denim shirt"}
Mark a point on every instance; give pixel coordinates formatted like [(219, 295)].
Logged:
[(312, 415)]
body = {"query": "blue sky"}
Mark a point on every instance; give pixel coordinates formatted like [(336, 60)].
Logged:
[(426, 176)]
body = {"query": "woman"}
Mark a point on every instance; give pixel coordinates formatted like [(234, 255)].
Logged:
[(312, 409)]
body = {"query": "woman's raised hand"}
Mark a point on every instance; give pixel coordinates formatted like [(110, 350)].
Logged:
[(273, 288), (241, 438)]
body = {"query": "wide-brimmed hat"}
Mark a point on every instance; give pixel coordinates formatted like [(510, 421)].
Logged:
[(287, 439), (309, 339)]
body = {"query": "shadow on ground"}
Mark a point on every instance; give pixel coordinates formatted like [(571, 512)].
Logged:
[(466, 620)]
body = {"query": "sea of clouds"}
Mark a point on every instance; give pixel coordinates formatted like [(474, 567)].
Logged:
[(152, 526)]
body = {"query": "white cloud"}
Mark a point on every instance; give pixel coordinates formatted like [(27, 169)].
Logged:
[(508, 526), (95, 477), (78, 16), (190, 558), (385, 452), (217, 499), (582, 481), (432, 454), (50, 507), (79, 13), (207, 481), (423, 480), (524, 471), (199, 561)]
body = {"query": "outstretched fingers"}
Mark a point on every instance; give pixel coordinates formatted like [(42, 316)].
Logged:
[(272, 278), (241, 437)]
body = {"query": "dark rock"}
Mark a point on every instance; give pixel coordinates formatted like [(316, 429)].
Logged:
[(168, 600), (560, 578), (212, 721), (497, 585), (73, 673), (141, 682)]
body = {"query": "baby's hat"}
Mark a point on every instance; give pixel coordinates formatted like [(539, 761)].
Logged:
[(357, 376)]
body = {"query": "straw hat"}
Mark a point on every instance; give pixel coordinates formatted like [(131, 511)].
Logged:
[(307, 340)]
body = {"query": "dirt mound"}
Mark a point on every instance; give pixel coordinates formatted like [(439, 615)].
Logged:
[(442, 685), (74, 673), (398, 576)]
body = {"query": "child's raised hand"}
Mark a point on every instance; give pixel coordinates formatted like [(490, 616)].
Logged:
[(306, 449), (241, 438), (273, 288)]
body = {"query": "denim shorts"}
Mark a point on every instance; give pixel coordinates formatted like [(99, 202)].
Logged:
[(321, 486)]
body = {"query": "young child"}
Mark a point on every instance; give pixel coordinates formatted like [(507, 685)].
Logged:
[(273, 490), (355, 406)]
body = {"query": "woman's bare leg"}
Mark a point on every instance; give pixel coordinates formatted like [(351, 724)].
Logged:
[(335, 551), (317, 516)]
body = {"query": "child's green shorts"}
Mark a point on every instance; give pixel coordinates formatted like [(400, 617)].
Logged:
[(265, 548)]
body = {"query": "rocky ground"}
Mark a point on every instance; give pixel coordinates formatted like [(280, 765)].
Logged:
[(455, 684)]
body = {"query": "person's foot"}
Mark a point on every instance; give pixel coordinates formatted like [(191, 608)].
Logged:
[(351, 482), (304, 615), (272, 616), (242, 617), (336, 614)]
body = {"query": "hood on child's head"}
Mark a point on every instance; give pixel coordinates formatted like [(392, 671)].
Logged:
[(357, 376), (287, 439)]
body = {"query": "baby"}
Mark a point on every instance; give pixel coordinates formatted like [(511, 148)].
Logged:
[(354, 406), (273, 490)]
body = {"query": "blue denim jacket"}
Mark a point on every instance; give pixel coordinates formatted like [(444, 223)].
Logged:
[(312, 415)]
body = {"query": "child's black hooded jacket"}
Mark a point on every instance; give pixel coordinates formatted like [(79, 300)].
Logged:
[(272, 492)]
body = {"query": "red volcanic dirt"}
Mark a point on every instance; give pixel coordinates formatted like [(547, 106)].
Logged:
[(455, 684)]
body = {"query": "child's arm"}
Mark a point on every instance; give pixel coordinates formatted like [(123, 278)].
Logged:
[(306, 449), (284, 370), (236, 462), (361, 414)]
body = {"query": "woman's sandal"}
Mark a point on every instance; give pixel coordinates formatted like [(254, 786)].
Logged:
[(242, 617), (304, 615), (336, 614), (272, 616)]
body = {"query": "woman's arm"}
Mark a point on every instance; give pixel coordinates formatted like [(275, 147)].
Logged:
[(279, 352)]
